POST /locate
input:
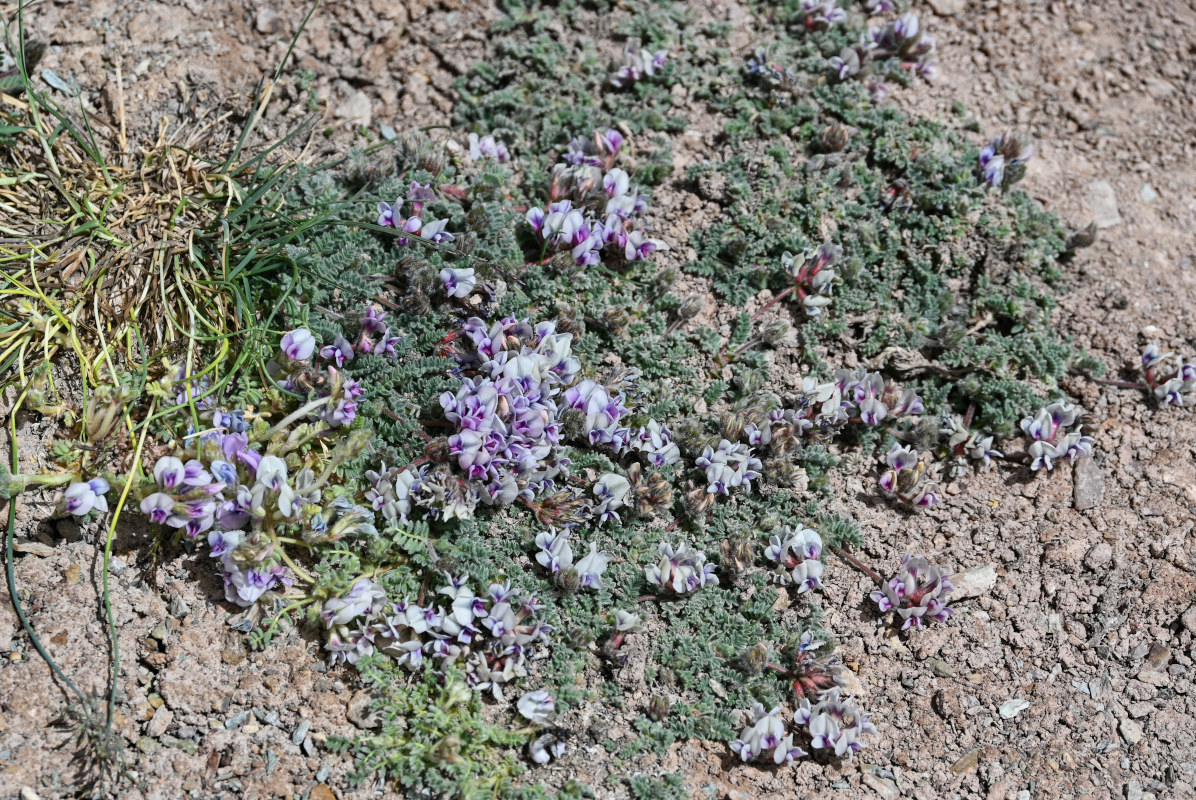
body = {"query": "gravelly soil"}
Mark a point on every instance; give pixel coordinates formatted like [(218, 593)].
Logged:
[(1092, 617)]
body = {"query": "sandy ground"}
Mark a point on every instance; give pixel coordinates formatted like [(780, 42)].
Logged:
[(1092, 618)]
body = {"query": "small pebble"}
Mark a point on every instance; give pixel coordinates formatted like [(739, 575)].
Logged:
[(322, 775), (1011, 708), (300, 732), (178, 608), (236, 721), (1130, 731)]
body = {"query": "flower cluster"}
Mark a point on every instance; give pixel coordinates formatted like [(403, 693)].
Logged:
[(374, 338), (333, 395), (919, 591), (681, 570), (821, 15), (813, 276), (600, 415), (595, 213), (390, 216), (1047, 446), (964, 444), (637, 63), (508, 436), (798, 555), (729, 466), (236, 498), (827, 720), (556, 555), (511, 421), (491, 638), (902, 40), (564, 227), (782, 80), (875, 399), (834, 723), (766, 735), (611, 492), (1172, 381), (905, 478), (626, 622), (812, 674), (488, 147), (83, 497), (1003, 160), (539, 708), (233, 481)]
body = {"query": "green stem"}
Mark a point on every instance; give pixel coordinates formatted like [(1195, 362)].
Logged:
[(298, 414), (120, 504), (10, 569), (282, 553)]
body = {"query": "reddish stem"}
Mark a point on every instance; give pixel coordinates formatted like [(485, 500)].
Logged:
[(855, 562), (773, 302), (1123, 384)]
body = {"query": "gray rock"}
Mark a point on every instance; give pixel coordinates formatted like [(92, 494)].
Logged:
[(268, 21), (973, 582), (1088, 484), (1188, 619), (947, 8), (300, 732), (1099, 556), (1133, 791), (27, 793), (1130, 731), (358, 711), (163, 629), (883, 786), (236, 721), (160, 722), (1103, 201), (1148, 193), (178, 607), (356, 109), (1011, 708), (186, 732), (1154, 677), (147, 745), (942, 669)]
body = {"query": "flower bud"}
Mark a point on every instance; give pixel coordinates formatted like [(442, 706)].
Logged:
[(833, 138), (568, 581), (615, 320), (732, 425), (697, 502), (658, 708), (437, 450), (754, 659)]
